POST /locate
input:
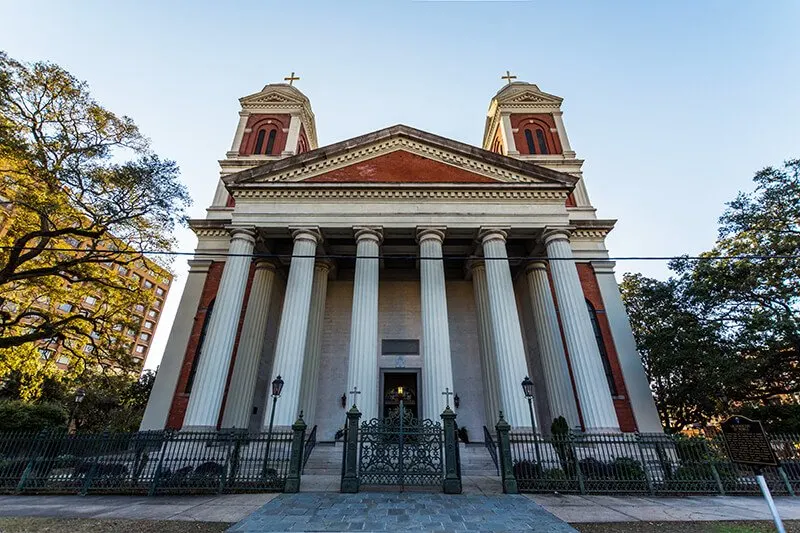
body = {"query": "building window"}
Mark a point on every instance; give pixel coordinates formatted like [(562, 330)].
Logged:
[(542, 142), (148, 284), (148, 324), (140, 348), (45, 354), (152, 313), (136, 360), (144, 336), (159, 291), (88, 348), (136, 277), (139, 308), (65, 307), (601, 346), (63, 359), (90, 300), (199, 350), (123, 271), (529, 142), (271, 142), (260, 141)]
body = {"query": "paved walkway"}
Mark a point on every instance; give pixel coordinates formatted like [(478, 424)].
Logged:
[(375, 511), (584, 509)]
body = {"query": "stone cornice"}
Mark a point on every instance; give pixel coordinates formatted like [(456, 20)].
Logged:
[(434, 147), (592, 229), (384, 193)]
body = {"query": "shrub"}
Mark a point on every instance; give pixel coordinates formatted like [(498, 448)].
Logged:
[(21, 416)]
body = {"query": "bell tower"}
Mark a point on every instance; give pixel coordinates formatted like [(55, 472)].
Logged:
[(526, 123), (274, 123)]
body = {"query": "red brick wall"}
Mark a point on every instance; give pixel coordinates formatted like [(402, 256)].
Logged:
[(302, 141), (543, 121), (591, 291), (267, 122), (400, 167), (180, 400)]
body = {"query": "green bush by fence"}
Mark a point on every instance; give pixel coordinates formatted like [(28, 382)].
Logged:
[(644, 463), (163, 462)]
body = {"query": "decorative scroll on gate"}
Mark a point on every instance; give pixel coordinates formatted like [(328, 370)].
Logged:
[(401, 450)]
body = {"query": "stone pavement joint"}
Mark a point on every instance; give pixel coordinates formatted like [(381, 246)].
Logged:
[(378, 511)]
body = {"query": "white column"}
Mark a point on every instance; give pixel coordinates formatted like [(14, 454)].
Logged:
[(316, 315), (437, 370), (293, 136), (239, 403), (237, 138), (551, 347), (160, 400), (362, 363), (491, 382), (291, 343), (595, 400), (508, 134), (636, 382), (562, 134), (506, 332), (215, 357)]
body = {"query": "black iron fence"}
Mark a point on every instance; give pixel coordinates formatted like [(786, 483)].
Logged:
[(162, 462), (642, 463)]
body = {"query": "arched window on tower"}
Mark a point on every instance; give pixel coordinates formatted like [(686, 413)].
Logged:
[(541, 141), (601, 346), (529, 141), (260, 141), (271, 142), (199, 350)]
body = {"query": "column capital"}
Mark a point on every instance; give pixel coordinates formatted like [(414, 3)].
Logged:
[(373, 233), (308, 233), (263, 263), (430, 232), (537, 264), (247, 233), (323, 265), (476, 263), (555, 233), (490, 233)]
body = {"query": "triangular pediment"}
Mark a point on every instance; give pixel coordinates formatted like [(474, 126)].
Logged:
[(400, 155), (277, 93), (525, 93)]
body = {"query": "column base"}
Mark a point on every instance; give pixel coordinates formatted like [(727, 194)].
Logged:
[(349, 485), (452, 486)]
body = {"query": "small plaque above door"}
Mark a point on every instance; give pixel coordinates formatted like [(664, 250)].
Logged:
[(400, 347)]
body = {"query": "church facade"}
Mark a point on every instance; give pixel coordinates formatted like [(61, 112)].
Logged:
[(400, 258)]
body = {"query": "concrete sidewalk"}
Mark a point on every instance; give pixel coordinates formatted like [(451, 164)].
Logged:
[(591, 509)]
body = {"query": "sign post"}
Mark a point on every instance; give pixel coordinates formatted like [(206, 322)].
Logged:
[(748, 444)]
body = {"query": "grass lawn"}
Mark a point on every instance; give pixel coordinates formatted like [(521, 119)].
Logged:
[(792, 526)]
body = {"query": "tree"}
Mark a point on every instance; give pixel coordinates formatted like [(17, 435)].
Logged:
[(685, 357), (84, 197), (724, 333)]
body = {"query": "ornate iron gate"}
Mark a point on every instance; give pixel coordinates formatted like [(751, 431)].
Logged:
[(401, 450)]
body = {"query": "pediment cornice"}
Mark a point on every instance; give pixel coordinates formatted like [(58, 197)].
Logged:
[(301, 167)]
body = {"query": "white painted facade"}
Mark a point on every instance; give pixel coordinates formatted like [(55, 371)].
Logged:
[(453, 255)]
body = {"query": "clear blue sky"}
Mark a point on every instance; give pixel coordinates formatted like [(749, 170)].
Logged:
[(673, 105)]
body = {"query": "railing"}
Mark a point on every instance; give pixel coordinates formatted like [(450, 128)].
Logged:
[(644, 463), (488, 441), (311, 441), (162, 462)]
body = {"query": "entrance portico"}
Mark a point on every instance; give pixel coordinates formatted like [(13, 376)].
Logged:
[(399, 253)]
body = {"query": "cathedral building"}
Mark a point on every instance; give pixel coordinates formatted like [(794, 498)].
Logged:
[(400, 258)]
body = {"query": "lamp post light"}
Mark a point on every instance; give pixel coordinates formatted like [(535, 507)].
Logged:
[(277, 387), (527, 388), (80, 394)]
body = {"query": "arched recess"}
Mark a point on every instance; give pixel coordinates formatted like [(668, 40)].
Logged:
[(534, 134)]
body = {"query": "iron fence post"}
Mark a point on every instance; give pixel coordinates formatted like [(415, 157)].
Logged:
[(714, 472), (87, 482), (296, 460), (506, 462), (452, 479), (350, 482), (786, 481)]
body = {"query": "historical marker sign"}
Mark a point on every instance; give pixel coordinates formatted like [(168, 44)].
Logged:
[(747, 443)]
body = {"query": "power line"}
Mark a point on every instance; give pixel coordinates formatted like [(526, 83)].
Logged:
[(268, 255)]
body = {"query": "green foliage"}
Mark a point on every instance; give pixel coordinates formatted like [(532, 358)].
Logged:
[(725, 331), (559, 427), (20, 416), (83, 196), (776, 418)]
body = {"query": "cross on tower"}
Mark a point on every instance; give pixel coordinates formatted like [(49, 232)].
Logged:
[(292, 78), (447, 393), (354, 392), (508, 77)]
